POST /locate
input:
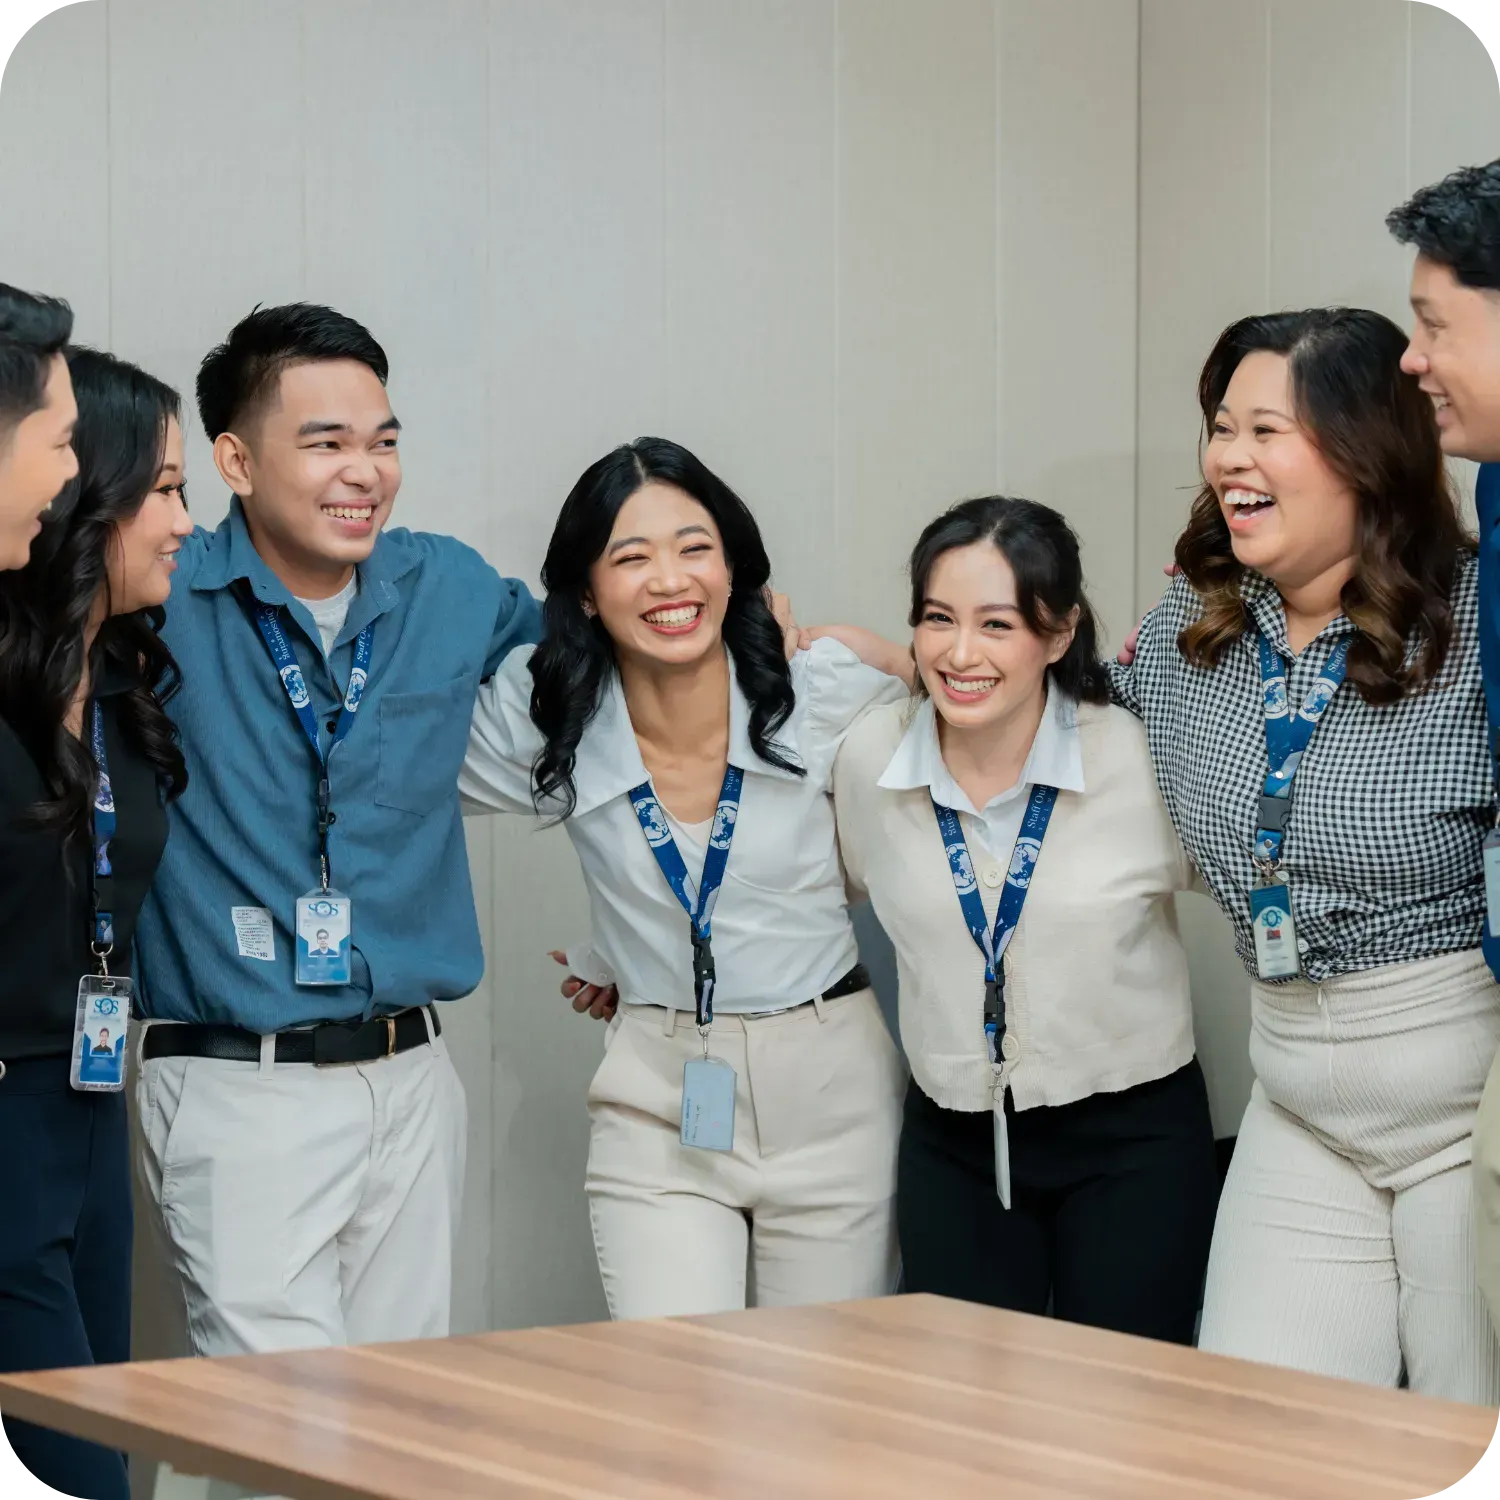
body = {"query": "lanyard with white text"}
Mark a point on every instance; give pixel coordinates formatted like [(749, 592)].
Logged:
[(1272, 923), (697, 901), (102, 920), (1012, 898), (992, 945), (269, 622)]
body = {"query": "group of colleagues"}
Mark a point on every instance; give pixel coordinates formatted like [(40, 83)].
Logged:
[(234, 765)]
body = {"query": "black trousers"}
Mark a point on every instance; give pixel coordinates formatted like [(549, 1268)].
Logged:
[(1112, 1206), (65, 1225)]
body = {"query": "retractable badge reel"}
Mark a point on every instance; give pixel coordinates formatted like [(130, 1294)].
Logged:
[(103, 1012)]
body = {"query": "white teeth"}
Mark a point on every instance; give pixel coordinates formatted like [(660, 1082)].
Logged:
[(352, 512), (1247, 497), (680, 616), (974, 686)]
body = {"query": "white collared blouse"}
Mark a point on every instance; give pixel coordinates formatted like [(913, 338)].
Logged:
[(781, 929)]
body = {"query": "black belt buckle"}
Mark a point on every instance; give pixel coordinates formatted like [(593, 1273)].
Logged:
[(335, 1044)]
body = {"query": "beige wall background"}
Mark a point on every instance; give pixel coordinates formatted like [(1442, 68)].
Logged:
[(865, 256)]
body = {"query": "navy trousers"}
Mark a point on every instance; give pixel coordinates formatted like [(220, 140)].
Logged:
[(65, 1234)]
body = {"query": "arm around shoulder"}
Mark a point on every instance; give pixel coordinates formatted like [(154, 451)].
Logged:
[(503, 742)]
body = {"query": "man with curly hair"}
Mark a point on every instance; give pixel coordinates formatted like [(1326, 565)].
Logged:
[(1455, 355)]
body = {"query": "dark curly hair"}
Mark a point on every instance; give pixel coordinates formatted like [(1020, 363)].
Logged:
[(45, 607), (1042, 551), (572, 667), (1377, 432), (1456, 222)]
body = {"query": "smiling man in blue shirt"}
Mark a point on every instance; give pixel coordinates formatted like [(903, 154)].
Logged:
[(1455, 355), (303, 1140)]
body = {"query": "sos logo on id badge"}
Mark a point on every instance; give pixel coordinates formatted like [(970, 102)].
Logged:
[(1276, 955), (99, 1033), (323, 922)]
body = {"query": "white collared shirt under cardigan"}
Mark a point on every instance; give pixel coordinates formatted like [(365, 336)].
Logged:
[(1096, 980)]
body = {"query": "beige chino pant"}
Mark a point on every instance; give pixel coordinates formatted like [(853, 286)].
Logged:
[(802, 1210), (1345, 1239), (302, 1206)]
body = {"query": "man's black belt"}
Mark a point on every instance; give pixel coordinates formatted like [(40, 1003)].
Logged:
[(857, 979), (323, 1045)]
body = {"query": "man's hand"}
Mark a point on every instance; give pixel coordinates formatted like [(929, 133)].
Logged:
[(600, 1001), (1127, 651)]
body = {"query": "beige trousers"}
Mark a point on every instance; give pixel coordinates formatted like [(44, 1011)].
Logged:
[(1345, 1241), (1487, 1193), (305, 1206), (802, 1209)]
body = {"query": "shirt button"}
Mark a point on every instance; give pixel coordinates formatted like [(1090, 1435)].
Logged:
[(333, 724), (1010, 1048), (992, 877)]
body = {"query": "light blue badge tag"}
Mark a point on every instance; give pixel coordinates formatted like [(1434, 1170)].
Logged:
[(323, 942), (1492, 879), (1276, 954), (708, 1104), (99, 1033)]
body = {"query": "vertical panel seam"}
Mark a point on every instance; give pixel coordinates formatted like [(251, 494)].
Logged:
[(1409, 101), (1136, 600), (841, 601), (996, 27), (1267, 95), (109, 176), (666, 221)]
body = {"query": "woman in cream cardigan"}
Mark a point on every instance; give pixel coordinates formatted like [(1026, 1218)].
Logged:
[(1056, 1139)]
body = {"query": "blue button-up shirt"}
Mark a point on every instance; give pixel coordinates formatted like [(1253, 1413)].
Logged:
[(1487, 503), (244, 834)]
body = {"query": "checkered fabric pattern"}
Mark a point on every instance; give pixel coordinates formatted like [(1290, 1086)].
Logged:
[(1389, 806)]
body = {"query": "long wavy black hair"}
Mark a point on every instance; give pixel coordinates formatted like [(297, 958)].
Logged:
[(571, 669), (45, 607)]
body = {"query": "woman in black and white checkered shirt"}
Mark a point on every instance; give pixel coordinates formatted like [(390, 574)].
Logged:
[(1344, 1241)]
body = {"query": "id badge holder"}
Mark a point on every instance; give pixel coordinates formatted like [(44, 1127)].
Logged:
[(99, 1033), (708, 1104), (1276, 955), (324, 920), (1491, 849), (1002, 1150)]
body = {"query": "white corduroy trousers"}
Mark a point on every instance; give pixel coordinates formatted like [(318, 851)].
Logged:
[(1344, 1243)]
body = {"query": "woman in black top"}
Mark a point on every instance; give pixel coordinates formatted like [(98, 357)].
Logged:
[(78, 627)]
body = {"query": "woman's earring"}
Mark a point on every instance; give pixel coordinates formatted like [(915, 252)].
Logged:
[(589, 609)]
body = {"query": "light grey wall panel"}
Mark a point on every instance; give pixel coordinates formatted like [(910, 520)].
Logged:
[(916, 412), (750, 266)]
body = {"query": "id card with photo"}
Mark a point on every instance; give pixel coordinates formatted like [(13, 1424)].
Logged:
[(708, 1104), (323, 938), (99, 1033), (1276, 955)]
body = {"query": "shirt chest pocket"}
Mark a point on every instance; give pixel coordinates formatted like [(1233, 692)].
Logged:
[(423, 737)]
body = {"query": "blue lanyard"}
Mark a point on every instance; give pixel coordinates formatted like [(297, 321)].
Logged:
[(697, 901), (1287, 737), (104, 831), (268, 619), (1023, 859)]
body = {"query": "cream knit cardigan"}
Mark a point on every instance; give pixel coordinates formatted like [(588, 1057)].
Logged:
[(1096, 980)]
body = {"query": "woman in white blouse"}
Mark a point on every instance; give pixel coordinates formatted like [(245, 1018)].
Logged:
[(1056, 1141), (745, 1116)]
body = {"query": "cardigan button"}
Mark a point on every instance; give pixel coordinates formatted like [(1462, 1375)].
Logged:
[(992, 877), (1010, 1048)]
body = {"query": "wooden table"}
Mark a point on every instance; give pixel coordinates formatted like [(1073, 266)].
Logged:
[(900, 1398)]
